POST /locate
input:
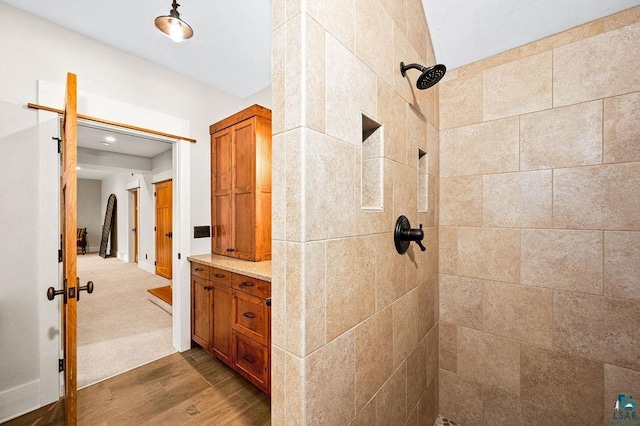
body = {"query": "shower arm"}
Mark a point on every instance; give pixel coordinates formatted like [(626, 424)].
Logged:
[(404, 68)]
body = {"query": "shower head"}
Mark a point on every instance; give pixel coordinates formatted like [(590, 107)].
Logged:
[(430, 76)]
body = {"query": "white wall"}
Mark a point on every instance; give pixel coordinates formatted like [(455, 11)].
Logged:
[(18, 246), (33, 49), (162, 162), (89, 213)]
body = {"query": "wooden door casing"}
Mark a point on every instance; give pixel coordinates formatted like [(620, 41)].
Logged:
[(164, 217), (69, 205)]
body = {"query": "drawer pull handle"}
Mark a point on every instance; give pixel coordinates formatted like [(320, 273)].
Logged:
[(219, 275), (249, 315), (249, 359), (247, 284), (199, 269), (207, 287)]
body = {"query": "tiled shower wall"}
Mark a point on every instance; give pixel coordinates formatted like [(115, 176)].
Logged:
[(355, 334), (539, 230)]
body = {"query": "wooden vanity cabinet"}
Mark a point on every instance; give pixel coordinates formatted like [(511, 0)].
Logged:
[(241, 185), (231, 319)]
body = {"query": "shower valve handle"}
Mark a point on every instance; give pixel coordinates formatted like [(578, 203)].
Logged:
[(403, 235)]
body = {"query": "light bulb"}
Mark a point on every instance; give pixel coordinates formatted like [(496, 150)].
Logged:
[(175, 31)]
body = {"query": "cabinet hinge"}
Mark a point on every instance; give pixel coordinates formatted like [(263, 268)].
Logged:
[(179, 256), (154, 194), (60, 365), (60, 256), (155, 263), (154, 228)]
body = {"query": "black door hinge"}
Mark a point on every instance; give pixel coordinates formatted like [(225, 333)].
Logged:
[(59, 144), (154, 228), (60, 256), (154, 194), (60, 365), (179, 256), (155, 263)]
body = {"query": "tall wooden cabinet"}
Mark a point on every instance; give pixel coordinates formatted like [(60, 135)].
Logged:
[(241, 185)]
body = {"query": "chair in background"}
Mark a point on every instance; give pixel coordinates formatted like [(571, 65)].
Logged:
[(82, 240)]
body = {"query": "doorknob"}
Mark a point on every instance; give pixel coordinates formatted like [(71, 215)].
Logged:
[(88, 288), (52, 292)]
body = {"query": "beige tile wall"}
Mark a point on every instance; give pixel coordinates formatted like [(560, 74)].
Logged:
[(540, 230), (355, 330)]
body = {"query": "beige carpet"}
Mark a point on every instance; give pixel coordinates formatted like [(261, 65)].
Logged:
[(118, 327)]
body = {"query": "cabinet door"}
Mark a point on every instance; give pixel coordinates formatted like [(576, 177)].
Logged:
[(201, 312), (221, 191), (251, 359), (250, 316), (221, 343), (244, 178)]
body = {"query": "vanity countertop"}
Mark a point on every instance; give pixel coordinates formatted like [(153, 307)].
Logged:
[(259, 270)]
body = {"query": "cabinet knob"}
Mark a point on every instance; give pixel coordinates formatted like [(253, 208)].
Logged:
[(199, 269), (247, 284), (218, 275), (268, 301), (249, 359), (230, 250), (249, 315), (208, 287)]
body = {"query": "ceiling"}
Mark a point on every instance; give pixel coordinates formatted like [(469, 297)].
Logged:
[(466, 31), (119, 142), (231, 47)]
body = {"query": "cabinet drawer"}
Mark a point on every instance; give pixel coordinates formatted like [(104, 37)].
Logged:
[(251, 360), (252, 286), (220, 276), (200, 270), (250, 316)]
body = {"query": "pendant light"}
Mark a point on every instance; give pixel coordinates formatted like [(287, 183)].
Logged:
[(173, 26)]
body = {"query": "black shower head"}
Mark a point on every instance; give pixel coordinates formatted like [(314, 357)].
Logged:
[(429, 77)]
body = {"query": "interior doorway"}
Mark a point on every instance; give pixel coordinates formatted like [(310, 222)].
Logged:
[(123, 327)]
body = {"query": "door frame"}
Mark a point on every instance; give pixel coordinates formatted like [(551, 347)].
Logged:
[(50, 385), (136, 223)]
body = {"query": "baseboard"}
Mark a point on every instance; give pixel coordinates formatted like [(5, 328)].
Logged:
[(122, 255), (19, 400), (149, 267)]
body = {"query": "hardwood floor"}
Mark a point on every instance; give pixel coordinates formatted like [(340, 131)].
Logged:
[(190, 388)]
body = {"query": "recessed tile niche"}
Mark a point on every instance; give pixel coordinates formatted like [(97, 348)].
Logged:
[(372, 163), (423, 181)]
